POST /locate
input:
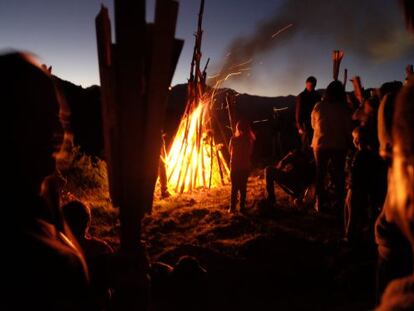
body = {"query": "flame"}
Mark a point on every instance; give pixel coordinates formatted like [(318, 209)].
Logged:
[(194, 160)]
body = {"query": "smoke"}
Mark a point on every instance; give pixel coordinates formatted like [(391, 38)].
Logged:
[(372, 30)]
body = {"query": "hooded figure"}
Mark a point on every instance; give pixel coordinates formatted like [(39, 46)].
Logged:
[(398, 211), (42, 267), (241, 149)]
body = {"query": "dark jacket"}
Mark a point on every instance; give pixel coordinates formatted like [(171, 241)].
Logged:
[(305, 102), (332, 125)]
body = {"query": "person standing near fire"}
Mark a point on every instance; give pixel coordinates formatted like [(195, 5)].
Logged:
[(241, 149), (305, 102), (332, 123)]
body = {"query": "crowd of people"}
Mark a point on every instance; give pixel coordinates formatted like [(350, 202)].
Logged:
[(357, 153), (52, 262)]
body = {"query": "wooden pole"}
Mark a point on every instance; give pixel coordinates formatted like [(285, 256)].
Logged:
[(408, 6), (337, 58), (358, 90), (345, 78), (135, 75)]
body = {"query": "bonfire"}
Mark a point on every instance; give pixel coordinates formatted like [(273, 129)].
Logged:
[(194, 160)]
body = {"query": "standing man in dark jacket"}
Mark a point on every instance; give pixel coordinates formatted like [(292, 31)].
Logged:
[(305, 102)]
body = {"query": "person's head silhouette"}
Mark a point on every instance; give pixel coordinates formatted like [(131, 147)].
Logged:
[(78, 217), (31, 127)]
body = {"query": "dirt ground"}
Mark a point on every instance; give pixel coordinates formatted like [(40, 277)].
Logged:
[(283, 258)]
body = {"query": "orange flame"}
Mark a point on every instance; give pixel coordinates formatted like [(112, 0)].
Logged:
[(194, 160)]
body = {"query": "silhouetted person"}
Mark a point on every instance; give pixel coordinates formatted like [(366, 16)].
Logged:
[(367, 190), (42, 267), (161, 286), (294, 173), (367, 118), (332, 124), (189, 285), (399, 208), (388, 94), (97, 252), (305, 102), (241, 149), (394, 251)]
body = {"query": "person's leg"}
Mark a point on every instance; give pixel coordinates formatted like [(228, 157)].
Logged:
[(338, 159), (244, 176), (270, 175), (321, 161), (162, 173), (234, 191), (355, 206), (307, 137)]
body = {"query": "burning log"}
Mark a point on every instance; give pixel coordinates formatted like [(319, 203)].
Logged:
[(337, 58)]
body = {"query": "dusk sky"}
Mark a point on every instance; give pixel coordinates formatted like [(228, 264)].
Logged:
[(377, 47)]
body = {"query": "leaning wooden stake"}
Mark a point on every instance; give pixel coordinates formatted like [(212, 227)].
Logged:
[(135, 73), (408, 6), (345, 77), (358, 90), (337, 58), (409, 71)]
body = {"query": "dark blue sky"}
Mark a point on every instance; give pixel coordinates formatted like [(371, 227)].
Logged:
[(62, 34)]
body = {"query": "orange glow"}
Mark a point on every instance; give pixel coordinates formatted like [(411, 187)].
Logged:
[(194, 160)]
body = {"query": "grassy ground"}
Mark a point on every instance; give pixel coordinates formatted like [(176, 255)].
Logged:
[(283, 258)]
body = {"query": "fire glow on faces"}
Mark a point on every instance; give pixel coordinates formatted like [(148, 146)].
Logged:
[(401, 192)]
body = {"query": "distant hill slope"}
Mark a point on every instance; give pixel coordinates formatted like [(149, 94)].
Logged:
[(86, 123), (87, 126)]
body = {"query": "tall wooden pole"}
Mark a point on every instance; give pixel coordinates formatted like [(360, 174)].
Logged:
[(136, 73), (337, 58)]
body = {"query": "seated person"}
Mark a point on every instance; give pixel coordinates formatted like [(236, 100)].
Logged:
[(294, 174), (182, 287), (97, 251), (189, 285), (161, 287), (42, 267)]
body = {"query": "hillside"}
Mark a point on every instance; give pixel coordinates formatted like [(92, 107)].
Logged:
[(285, 258), (281, 258), (87, 126)]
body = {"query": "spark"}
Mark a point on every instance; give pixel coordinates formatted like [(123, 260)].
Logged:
[(281, 30)]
